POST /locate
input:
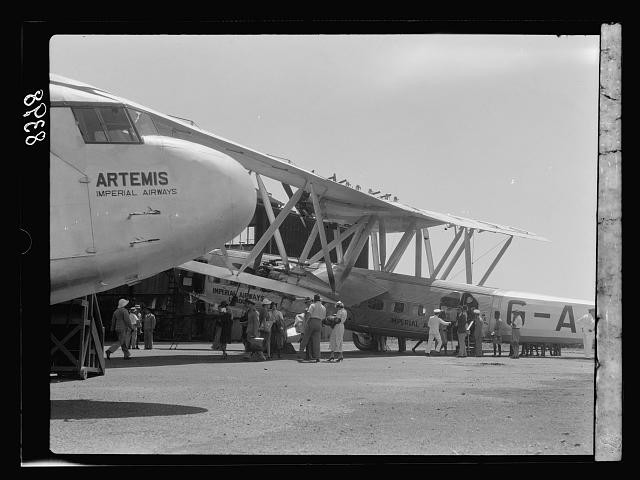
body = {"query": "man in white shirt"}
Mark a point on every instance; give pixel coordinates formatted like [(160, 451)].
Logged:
[(434, 329), (317, 313), (587, 325)]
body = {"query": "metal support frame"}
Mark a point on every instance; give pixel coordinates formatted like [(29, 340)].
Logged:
[(446, 254), (77, 338), (289, 192), (400, 249), (418, 253), (459, 251), (495, 261), (355, 253), (270, 215), (323, 237), (375, 252), (356, 227), (427, 249), (307, 246), (360, 225), (382, 237), (336, 235), (266, 236), (467, 256)]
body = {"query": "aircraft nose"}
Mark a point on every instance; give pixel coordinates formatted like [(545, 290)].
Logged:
[(218, 195)]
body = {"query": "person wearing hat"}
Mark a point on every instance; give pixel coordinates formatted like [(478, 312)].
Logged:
[(148, 326), (444, 332), (516, 325), (462, 332), (222, 329), (586, 325), (278, 329), (134, 318), (496, 334), (337, 333), (266, 322), (317, 312), (302, 320), (477, 332), (121, 323), (253, 327), (434, 329)]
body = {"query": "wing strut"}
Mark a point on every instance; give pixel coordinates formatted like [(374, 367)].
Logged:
[(302, 212), (375, 252), (323, 237), (427, 248), (446, 254), (269, 209), (463, 246), (382, 234), (260, 244), (307, 246), (355, 253), (400, 249), (339, 239), (418, 253), (336, 235), (496, 260)]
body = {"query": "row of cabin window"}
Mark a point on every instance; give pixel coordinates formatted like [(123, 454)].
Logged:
[(114, 124), (396, 307)]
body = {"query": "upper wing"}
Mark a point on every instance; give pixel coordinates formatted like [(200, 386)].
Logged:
[(339, 203), (342, 204)]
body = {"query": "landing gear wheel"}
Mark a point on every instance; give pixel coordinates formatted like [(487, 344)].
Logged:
[(364, 341)]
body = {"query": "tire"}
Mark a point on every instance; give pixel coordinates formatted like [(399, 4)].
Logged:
[(365, 342)]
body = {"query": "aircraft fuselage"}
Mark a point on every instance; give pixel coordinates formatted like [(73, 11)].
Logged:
[(127, 199), (408, 302)]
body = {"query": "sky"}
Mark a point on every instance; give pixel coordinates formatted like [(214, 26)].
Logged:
[(502, 128)]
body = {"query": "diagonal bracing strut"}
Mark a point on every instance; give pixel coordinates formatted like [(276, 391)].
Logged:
[(266, 236)]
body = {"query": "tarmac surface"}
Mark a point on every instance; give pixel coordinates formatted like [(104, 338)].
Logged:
[(191, 401)]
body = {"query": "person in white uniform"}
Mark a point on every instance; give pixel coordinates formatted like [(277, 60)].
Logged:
[(587, 325), (434, 329), (337, 333)]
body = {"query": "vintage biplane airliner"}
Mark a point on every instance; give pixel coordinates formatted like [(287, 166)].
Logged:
[(183, 161), (380, 302), (124, 186)]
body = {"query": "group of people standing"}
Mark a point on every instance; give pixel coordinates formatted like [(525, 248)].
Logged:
[(127, 323), (469, 321), (267, 324), (310, 322)]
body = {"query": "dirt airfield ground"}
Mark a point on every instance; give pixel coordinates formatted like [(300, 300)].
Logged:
[(190, 401)]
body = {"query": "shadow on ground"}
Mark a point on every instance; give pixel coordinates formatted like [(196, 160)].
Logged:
[(86, 409), (235, 357)]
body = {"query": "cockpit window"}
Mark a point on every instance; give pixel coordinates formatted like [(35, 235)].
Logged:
[(143, 122), (164, 128), (105, 125)]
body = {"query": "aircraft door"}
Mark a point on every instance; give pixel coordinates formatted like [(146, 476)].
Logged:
[(71, 234)]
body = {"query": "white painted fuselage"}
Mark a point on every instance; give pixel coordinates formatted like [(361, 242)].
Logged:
[(407, 303), (127, 199)]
